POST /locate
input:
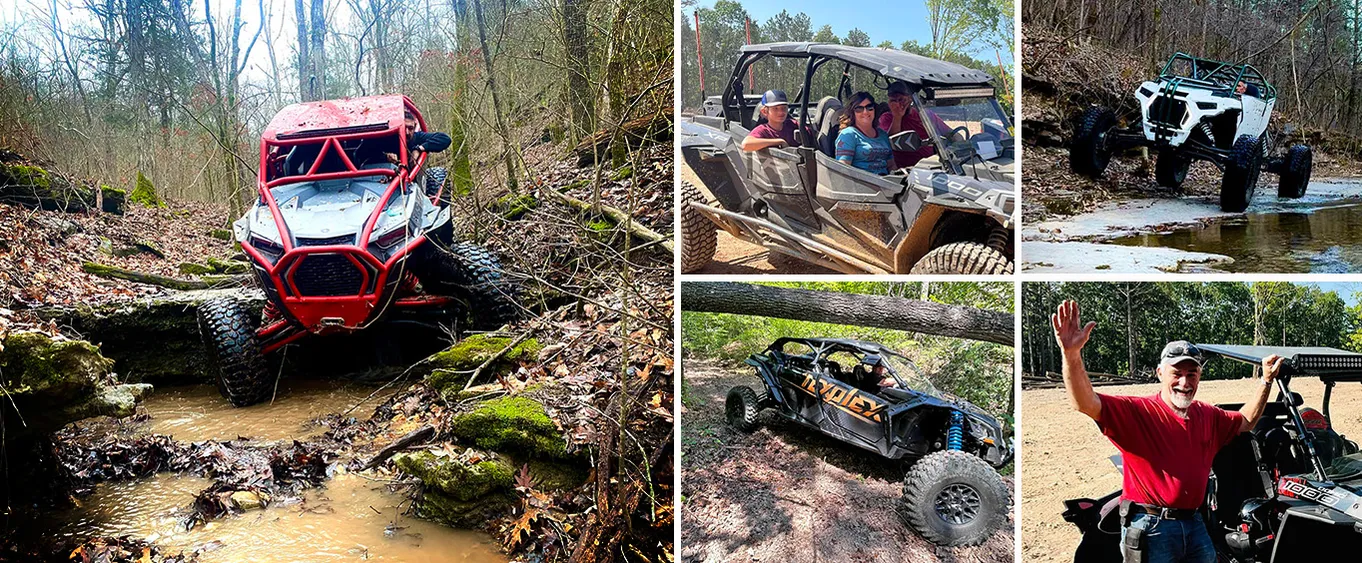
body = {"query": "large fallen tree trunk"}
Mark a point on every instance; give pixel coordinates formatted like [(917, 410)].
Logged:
[(656, 127), (849, 309), (33, 186)]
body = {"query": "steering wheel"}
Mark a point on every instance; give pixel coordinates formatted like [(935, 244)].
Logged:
[(962, 129)]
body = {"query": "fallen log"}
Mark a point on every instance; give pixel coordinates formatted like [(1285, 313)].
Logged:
[(656, 127), (617, 217), (207, 282), (420, 435), (879, 311), (34, 186)]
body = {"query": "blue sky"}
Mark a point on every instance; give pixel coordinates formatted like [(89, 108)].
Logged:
[(1343, 289), (895, 21)]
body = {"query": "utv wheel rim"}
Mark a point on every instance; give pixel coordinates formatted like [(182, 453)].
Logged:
[(957, 504)]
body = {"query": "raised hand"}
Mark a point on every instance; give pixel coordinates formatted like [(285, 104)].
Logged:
[(1068, 333)]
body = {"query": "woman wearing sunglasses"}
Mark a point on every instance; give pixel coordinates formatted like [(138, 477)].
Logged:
[(861, 143)]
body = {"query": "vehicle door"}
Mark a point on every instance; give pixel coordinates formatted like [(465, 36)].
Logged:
[(844, 409), (1254, 116)]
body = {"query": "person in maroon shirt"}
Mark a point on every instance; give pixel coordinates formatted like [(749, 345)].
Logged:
[(1167, 442), (902, 116), (778, 130)]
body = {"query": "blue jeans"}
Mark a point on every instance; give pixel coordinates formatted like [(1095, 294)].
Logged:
[(1173, 541)]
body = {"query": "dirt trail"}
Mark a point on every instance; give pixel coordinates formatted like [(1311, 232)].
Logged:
[(1064, 456), (786, 494), (736, 256)]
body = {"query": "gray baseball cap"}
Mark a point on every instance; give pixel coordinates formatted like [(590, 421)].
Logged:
[(1179, 350), (774, 98)]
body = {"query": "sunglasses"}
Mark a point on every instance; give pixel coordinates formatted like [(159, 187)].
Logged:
[(864, 108)]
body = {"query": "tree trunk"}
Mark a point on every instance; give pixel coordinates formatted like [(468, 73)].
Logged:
[(497, 108), (849, 309), (317, 52), (304, 57), (461, 166), (581, 100)]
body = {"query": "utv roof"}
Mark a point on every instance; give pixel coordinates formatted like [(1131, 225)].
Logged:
[(900, 65), (337, 117), (862, 345), (1326, 363)]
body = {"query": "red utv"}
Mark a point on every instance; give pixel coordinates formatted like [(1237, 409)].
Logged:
[(341, 238)]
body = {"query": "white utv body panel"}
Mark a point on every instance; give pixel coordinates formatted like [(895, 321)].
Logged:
[(331, 209), (1201, 103)]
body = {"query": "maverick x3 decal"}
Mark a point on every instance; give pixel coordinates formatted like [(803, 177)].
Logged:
[(844, 397)]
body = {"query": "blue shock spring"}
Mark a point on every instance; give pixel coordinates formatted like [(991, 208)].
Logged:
[(955, 434)]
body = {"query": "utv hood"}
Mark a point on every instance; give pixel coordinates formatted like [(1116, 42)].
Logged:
[(332, 210)]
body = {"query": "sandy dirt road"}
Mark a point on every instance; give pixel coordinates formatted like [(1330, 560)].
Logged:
[(1064, 455), (786, 494), (736, 256)]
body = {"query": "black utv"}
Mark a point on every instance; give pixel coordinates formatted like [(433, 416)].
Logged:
[(952, 493), (1287, 490)]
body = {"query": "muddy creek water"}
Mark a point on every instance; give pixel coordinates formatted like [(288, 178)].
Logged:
[(1317, 240), (349, 518)]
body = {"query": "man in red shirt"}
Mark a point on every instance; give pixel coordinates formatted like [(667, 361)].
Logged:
[(1167, 442)]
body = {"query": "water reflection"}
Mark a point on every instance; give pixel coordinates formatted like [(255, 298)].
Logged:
[(1326, 240)]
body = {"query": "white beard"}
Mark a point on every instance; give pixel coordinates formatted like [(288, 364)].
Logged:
[(1180, 400)]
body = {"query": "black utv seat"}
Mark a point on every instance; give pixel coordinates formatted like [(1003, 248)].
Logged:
[(825, 122)]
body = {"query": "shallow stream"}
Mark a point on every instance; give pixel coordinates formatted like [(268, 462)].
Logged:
[(351, 518), (1317, 240)]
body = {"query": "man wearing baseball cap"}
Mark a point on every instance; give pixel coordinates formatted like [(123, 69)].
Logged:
[(778, 129), (1167, 442), (902, 116)]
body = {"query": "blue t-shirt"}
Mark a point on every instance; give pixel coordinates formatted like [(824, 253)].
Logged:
[(856, 149)]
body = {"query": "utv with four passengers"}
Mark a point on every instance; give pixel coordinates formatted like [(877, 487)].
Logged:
[(951, 213), (340, 239), (1290, 489), (952, 494), (1195, 111)]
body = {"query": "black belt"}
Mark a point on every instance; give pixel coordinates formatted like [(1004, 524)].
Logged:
[(1162, 512)]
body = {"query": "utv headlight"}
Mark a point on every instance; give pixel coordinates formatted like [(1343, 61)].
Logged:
[(1206, 105), (1146, 91), (271, 249)]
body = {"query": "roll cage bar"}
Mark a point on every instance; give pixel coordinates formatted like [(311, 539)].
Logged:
[(1212, 73), (1330, 365), (735, 106), (823, 348)]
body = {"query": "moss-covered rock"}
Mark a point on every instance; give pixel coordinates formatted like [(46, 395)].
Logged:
[(511, 424), (441, 369), (54, 381), (513, 206), (552, 475), (144, 193), (622, 174), (459, 493), (227, 266), (115, 199), (221, 234), (193, 269)]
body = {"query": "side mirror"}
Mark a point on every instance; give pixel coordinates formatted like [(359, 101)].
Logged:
[(905, 141)]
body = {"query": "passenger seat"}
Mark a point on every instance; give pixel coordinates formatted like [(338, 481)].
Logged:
[(826, 124)]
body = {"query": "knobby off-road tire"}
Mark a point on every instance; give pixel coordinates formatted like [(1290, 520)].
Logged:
[(1088, 152), (469, 273), (228, 331), (1241, 174), (698, 237), (742, 407), (953, 498), (1295, 173), (435, 180), (963, 258), (1170, 170)]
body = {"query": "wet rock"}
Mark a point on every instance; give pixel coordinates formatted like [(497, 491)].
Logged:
[(53, 381), (511, 424), (250, 500), (442, 369), (462, 491)]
